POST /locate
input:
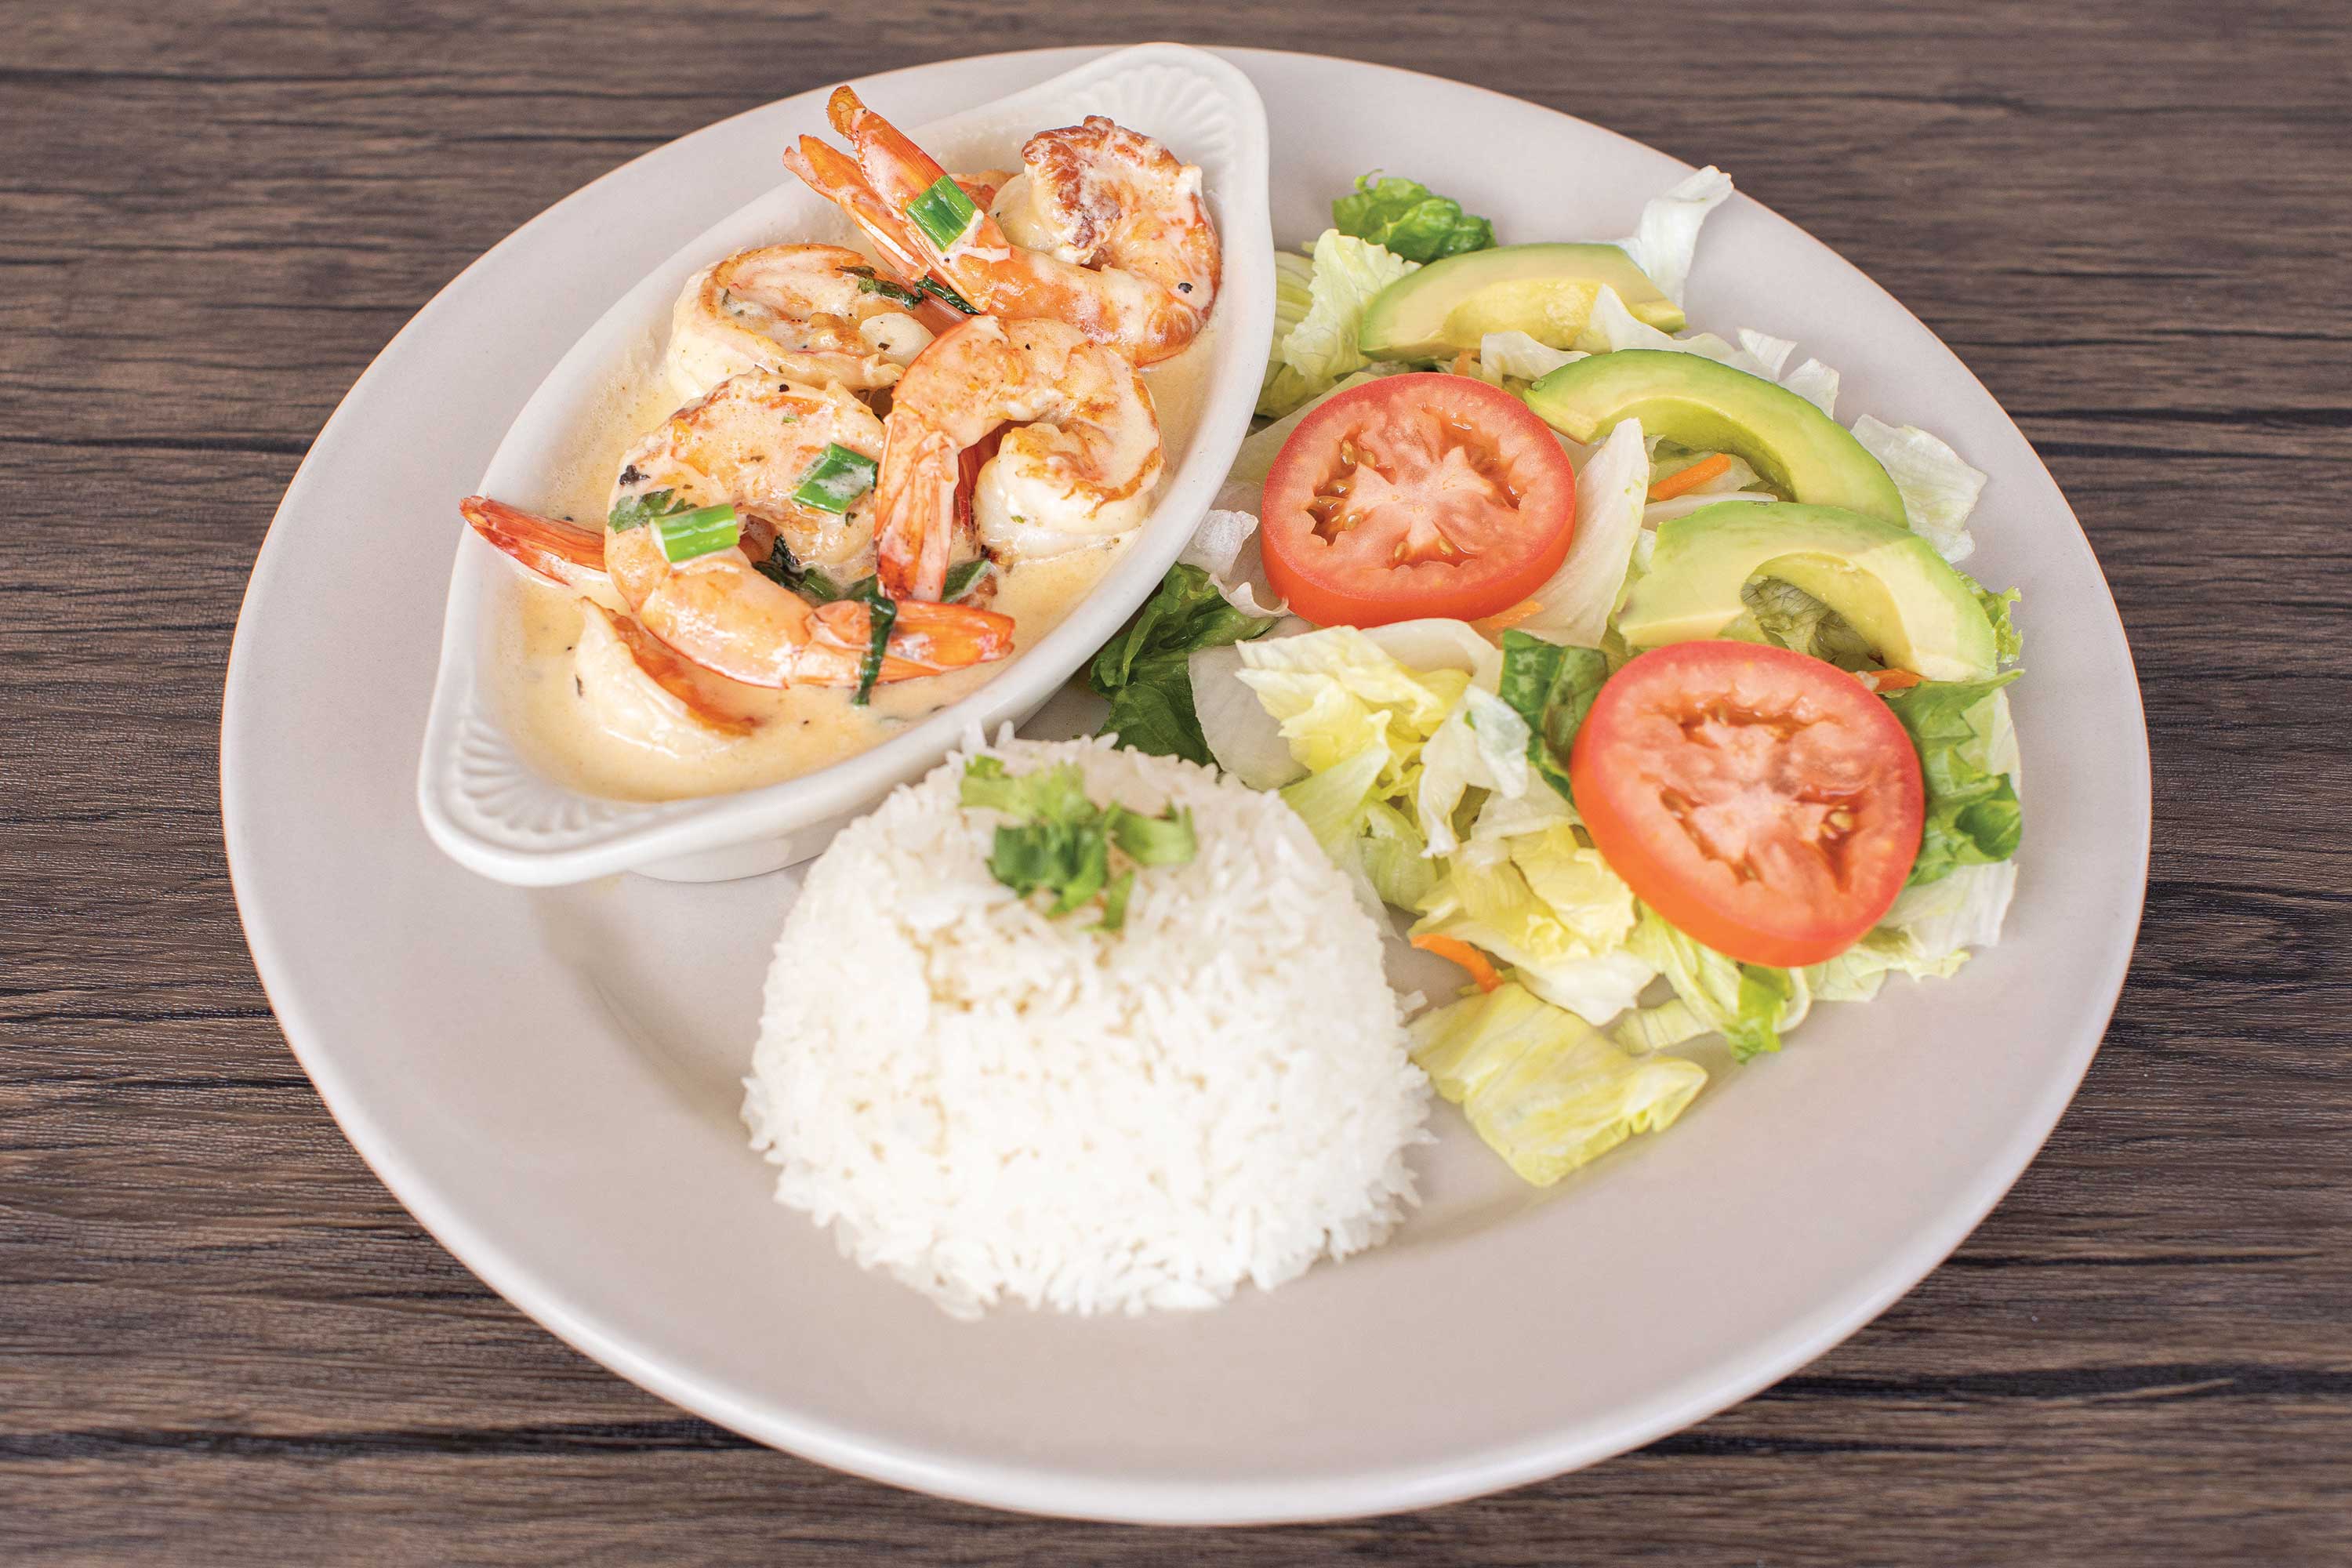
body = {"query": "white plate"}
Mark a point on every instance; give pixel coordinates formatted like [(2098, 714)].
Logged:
[(548, 1079), (482, 799)]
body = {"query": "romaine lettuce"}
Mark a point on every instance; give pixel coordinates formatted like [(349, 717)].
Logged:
[(1410, 219), (1550, 687), (1973, 815), (1145, 669)]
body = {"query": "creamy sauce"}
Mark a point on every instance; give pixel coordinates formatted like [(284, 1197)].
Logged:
[(797, 730)]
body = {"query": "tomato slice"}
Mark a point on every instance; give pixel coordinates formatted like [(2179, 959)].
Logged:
[(1416, 495), (1763, 802)]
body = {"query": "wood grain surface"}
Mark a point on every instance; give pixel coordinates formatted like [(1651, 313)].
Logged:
[(221, 1341)]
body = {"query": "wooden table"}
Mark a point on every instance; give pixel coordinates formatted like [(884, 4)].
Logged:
[(221, 1341)]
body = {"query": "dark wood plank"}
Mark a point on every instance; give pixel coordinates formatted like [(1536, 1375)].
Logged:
[(221, 1341)]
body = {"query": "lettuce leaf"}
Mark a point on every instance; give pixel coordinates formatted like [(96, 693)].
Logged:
[(1335, 691), (1410, 219), (1542, 1088), (1517, 356), (1482, 744), (1549, 905), (1612, 489), (1750, 1004), (1284, 388), (1550, 687), (1332, 801), (1665, 241), (1973, 816), (1939, 489), (1321, 348), (1145, 671)]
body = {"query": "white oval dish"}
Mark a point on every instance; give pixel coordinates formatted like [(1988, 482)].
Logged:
[(483, 800), (549, 1079)]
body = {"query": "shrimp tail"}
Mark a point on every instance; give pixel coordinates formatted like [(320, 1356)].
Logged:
[(554, 549), (832, 175), (925, 639), (915, 509)]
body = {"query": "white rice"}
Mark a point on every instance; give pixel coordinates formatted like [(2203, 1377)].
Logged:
[(997, 1106)]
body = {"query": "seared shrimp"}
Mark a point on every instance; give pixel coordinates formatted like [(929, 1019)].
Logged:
[(749, 442), (1135, 288), (799, 311), (1078, 468), (750, 445), (740, 625)]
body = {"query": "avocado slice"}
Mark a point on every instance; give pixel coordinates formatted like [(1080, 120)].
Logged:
[(1801, 452), (1887, 581), (1544, 290)]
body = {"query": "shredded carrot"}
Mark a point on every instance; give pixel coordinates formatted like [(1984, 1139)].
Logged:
[(1465, 363), (1504, 620), (1889, 679), (1455, 951), (1690, 478)]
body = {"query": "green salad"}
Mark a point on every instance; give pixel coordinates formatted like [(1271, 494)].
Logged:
[(1601, 652)]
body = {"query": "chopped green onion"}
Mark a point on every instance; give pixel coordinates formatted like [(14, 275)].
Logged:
[(1154, 840), (837, 478), (963, 578), (882, 612), (701, 532), (635, 511), (943, 212), (940, 290)]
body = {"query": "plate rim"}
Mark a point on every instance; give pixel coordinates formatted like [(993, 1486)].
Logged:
[(1053, 1493)]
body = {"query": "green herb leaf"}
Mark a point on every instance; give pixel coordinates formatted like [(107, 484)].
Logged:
[(1051, 795), (703, 531), (635, 511), (1164, 840), (1409, 219), (943, 212), (1060, 842), (1551, 688), (836, 480), (1145, 671), (1114, 913), (1973, 816)]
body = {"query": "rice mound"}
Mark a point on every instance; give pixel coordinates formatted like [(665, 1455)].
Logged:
[(997, 1106)]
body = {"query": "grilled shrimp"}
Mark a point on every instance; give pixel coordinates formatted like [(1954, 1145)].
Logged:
[(1077, 466), (803, 312), (751, 444), (1135, 259), (748, 442)]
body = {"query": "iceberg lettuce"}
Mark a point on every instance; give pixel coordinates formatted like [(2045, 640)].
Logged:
[(1321, 348), (1612, 489), (1939, 489), (1665, 241), (1542, 1088)]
